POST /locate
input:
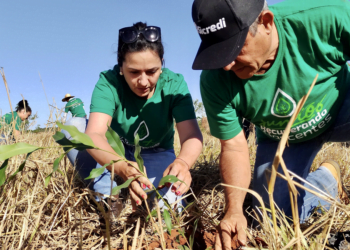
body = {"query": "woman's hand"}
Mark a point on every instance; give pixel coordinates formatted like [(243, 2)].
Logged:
[(136, 187), (181, 170)]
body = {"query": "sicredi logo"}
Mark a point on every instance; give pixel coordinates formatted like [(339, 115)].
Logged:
[(212, 28)]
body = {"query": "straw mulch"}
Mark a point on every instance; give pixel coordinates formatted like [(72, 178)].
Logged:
[(63, 216)]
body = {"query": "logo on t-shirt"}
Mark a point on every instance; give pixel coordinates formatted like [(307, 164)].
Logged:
[(142, 130), (283, 105)]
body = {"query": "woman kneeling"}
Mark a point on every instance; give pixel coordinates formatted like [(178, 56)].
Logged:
[(139, 97)]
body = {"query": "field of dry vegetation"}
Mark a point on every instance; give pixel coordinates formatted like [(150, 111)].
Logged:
[(64, 216)]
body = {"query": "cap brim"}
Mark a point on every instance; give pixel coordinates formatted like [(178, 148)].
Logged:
[(220, 54), (65, 99)]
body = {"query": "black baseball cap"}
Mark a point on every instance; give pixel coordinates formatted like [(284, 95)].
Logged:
[(223, 26)]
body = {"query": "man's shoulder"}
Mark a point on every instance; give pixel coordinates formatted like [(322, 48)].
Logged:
[(291, 7)]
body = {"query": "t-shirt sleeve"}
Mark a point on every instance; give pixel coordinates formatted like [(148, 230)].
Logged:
[(182, 103), (66, 109), (102, 100), (222, 117)]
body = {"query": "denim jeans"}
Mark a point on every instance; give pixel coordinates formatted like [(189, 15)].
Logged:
[(298, 158), (2, 138), (156, 160)]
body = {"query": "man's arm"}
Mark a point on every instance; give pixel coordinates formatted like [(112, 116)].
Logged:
[(235, 170)]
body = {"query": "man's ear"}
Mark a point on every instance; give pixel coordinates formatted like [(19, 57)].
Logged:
[(267, 20)]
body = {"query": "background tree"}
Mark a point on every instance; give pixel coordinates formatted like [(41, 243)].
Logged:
[(199, 109)]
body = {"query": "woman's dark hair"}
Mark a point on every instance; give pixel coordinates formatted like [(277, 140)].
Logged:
[(20, 106), (141, 44)]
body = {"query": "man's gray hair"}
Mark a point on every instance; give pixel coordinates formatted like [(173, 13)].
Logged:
[(254, 27)]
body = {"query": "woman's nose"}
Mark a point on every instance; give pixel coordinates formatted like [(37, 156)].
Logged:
[(143, 80)]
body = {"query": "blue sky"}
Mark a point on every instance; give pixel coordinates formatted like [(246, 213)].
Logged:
[(71, 41)]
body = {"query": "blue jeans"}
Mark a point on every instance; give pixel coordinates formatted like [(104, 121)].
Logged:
[(2, 138), (156, 160), (298, 158)]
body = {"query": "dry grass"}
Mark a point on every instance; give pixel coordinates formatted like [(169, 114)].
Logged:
[(62, 216)]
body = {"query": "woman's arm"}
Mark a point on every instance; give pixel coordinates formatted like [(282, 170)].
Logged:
[(96, 129), (17, 133), (191, 146)]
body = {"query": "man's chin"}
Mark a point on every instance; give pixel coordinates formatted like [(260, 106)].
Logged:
[(244, 76), (245, 73)]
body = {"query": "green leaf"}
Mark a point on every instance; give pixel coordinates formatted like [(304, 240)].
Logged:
[(184, 247), (188, 205), (3, 172), (167, 220), (209, 248), (116, 189), (195, 225), (47, 179), (56, 164), (61, 139), (137, 153), (169, 179), (115, 142), (58, 170), (177, 239), (153, 214), (7, 151), (96, 172), (77, 136), (20, 168)]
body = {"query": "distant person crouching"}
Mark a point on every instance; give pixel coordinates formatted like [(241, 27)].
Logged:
[(11, 123)]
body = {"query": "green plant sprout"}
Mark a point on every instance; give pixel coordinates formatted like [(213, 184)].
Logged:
[(81, 141)]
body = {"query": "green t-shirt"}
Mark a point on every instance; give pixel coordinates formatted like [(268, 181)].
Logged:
[(6, 121), (152, 119), (314, 38), (76, 107)]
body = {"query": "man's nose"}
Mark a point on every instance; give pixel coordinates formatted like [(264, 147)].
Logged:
[(229, 66)]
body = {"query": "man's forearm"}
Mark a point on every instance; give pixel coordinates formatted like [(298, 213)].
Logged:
[(235, 171)]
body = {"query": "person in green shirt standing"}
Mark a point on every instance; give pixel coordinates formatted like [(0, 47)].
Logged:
[(138, 96), (11, 123), (257, 63)]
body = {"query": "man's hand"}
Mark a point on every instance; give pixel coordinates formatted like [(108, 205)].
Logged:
[(235, 171), (136, 187), (231, 232), (179, 169)]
